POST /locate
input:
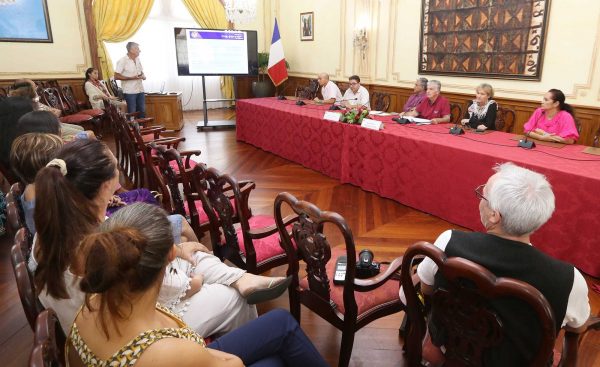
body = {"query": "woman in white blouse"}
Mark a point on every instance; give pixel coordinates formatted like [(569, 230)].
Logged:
[(97, 92)]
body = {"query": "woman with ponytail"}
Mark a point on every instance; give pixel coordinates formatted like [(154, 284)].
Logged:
[(72, 193), (120, 320), (554, 121)]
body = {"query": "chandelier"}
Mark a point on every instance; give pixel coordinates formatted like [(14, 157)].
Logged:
[(240, 11)]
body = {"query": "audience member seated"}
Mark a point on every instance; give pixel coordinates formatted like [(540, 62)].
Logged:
[(30, 153), (72, 193), (121, 320), (418, 95), (329, 90), (481, 113), (554, 121), (356, 95), (435, 107), (27, 88), (513, 204), (46, 122), (11, 110), (97, 92)]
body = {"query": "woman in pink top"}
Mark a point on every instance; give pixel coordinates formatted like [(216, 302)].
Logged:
[(554, 120)]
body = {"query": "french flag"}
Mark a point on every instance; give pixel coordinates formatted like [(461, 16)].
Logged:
[(276, 68)]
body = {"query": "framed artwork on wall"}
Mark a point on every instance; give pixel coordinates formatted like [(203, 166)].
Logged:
[(307, 26), (24, 21), (482, 38)]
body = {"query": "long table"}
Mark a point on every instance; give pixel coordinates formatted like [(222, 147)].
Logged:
[(426, 168)]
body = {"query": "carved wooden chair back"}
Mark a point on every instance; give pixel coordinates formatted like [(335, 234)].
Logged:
[(343, 86), (455, 113), (25, 287), (14, 207), (462, 308), (505, 119), (308, 92), (348, 307), (51, 97), (597, 138), (380, 101), (115, 89), (129, 158), (49, 341)]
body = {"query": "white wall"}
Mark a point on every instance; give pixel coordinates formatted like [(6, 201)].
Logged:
[(67, 57), (570, 58)]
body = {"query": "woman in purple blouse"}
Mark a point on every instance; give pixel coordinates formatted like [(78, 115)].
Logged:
[(554, 121)]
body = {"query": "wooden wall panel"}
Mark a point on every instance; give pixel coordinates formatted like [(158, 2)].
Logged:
[(75, 83), (588, 116)]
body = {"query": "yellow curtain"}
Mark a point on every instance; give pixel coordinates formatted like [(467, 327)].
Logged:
[(117, 21), (211, 14)]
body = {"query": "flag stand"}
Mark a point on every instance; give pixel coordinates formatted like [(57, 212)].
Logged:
[(201, 125)]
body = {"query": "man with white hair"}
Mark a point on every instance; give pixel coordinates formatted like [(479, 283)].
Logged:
[(330, 91), (513, 204), (435, 107)]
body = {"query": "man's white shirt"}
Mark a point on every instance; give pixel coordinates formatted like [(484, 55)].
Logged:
[(331, 90), (130, 68), (360, 98)]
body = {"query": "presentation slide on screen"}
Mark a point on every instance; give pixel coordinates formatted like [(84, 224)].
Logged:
[(214, 52)]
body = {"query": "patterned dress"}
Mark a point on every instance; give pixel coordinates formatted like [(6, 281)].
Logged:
[(132, 351)]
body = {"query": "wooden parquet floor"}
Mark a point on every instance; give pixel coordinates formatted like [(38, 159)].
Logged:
[(382, 225)]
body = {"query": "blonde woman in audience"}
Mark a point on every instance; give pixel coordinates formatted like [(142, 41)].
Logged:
[(72, 193), (97, 92), (29, 154), (554, 120), (481, 113), (121, 322)]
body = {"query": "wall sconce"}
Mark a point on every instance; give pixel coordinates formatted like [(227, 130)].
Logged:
[(361, 41)]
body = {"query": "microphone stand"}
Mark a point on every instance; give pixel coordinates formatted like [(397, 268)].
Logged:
[(526, 143), (456, 130)]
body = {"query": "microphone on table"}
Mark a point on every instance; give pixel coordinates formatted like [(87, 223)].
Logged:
[(526, 143), (456, 130), (281, 95)]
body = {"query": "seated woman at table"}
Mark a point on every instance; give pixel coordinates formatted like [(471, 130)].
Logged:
[(554, 121), (481, 114)]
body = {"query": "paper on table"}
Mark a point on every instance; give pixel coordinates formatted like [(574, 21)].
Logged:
[(375, 112), (418, 120)]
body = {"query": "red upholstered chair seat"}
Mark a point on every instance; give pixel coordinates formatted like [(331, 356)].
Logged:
[(94, 112), (266, 247), (365, 301), (76, 119), (203, 217)]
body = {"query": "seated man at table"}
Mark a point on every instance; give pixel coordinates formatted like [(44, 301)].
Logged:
[(435, 107), (418, 95), (330, 91), (513, 204), (356, 95)]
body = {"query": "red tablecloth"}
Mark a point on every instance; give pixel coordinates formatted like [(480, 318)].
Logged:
[(426, 168)]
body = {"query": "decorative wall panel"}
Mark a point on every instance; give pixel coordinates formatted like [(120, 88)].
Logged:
[(486, 38)]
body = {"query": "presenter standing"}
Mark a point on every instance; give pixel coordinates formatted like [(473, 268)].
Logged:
[(130, 72), (330, 91), (356, 95)]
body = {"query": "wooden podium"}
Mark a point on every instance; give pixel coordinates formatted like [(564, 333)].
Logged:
[(166, 110)]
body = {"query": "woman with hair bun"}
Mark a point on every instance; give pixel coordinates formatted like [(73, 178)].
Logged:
[(121, 323), (554, 120)]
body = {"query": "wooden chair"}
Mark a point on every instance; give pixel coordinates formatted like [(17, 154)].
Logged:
[(597, 138), (308, 92), (14, 208), (505, 119), (455, 113), (49, 341), (255, 245), (29, 300), (462, 308), (380, 101), (343, 86), (51, 97), (348, 307), (3, 93)]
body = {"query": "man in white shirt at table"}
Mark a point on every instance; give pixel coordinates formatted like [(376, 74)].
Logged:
[(130, 72), (356, 95), (330, 91)]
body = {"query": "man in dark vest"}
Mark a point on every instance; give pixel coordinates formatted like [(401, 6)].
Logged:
[(513, 204)]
